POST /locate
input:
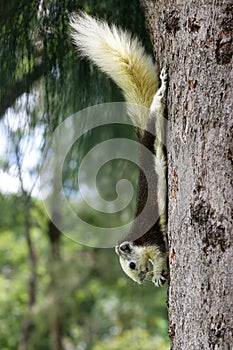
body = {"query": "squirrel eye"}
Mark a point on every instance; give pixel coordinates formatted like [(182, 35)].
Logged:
[(132, 265)]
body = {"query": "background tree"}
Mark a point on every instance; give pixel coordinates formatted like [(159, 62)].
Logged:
[(194, 39)]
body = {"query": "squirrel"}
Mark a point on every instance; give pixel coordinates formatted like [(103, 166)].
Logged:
[(123, 58)]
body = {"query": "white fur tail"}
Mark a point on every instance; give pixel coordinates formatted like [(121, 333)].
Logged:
[(120, 56)]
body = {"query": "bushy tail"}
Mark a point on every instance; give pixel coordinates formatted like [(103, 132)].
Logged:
[(122, 57)]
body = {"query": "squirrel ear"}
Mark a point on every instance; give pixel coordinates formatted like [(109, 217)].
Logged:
[(125, 247), (117, 249)]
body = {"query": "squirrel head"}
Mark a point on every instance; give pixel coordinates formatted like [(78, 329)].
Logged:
[(133, 261)]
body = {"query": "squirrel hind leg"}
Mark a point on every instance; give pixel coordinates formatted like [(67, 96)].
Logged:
[(164, 76), (158, 102)]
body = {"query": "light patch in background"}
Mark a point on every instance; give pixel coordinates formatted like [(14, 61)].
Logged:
[(22, 171)]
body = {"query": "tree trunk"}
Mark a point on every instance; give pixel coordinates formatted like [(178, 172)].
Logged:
[(28, 323), (194, 39), (56, 318)]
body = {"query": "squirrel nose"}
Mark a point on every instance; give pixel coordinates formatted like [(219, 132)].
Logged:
[(142, 276)]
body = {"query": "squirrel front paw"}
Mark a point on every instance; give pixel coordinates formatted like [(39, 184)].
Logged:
[(161, 280)]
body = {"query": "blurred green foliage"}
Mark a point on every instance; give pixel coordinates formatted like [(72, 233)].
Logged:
[(100, 307)]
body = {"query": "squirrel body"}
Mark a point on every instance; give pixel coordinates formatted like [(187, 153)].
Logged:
[(123, 58)]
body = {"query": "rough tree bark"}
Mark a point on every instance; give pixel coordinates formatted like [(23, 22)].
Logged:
[(194, 38)]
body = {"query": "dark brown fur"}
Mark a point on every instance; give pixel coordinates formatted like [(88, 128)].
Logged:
[(154, 235)]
